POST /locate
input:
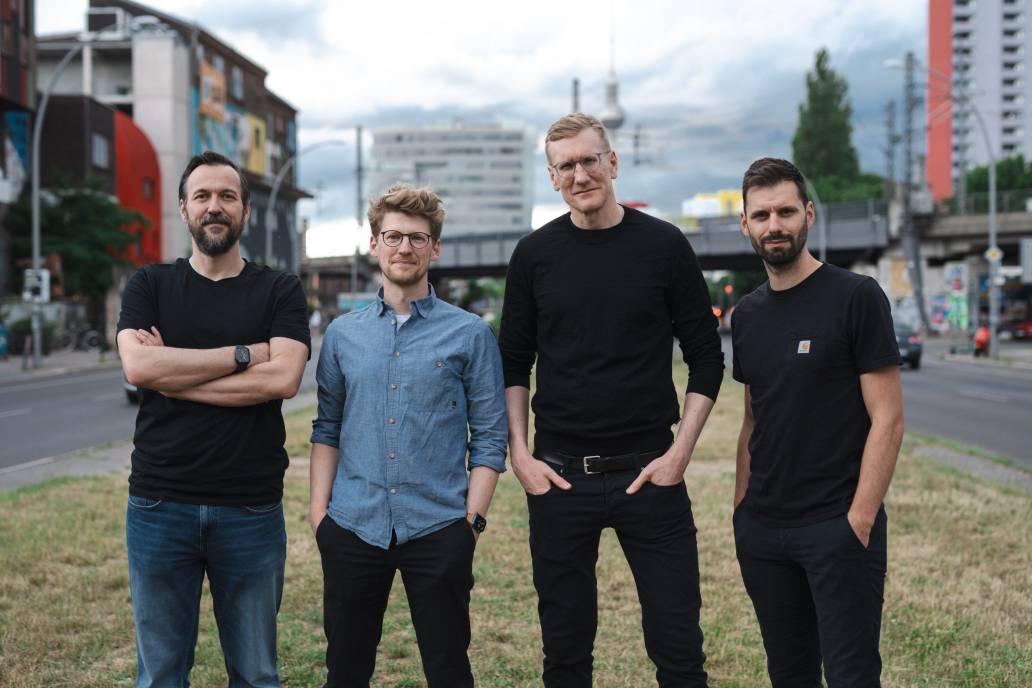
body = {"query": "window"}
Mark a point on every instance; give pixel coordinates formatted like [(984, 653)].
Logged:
[(148, 188), (100, 155), (236, 83), (218, 63)]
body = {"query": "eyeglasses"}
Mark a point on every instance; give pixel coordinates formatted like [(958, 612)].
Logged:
[(589, 163), (417, 240)]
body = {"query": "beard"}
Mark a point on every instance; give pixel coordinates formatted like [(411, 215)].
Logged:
[(215, 244), (780, 257), (403, 279)]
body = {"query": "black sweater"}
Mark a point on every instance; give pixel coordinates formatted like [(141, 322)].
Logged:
[(599, 310)]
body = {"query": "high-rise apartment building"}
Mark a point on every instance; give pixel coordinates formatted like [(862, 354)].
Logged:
[(978, 50), (481, 172)]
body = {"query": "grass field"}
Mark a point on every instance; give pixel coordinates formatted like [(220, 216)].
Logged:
[(958, 595)]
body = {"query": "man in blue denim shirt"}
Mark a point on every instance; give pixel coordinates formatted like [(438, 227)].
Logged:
[(408, 388)]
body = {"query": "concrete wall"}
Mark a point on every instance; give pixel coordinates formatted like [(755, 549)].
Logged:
[(161, 108)]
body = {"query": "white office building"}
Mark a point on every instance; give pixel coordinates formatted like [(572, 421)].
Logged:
[(481, 172)]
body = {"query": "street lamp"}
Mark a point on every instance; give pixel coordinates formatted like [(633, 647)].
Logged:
[(993, 255), (37, 134)]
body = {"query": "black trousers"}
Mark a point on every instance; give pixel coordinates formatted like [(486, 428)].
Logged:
[(818, 596), (437, 571), (656, 530)]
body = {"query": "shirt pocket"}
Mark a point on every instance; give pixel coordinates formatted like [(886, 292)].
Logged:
[(805, 351), (436, 384)]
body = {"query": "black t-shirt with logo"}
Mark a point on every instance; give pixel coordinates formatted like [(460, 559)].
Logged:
[(198, 453), (802, 351)]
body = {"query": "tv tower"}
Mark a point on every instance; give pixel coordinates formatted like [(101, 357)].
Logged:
[(612, 115)]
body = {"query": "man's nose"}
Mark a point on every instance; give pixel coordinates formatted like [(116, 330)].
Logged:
[(580, 175)]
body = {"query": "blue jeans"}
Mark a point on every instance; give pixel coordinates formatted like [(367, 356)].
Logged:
[(171, 547)]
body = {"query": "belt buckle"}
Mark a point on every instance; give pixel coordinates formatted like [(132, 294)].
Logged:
[(585, 460)]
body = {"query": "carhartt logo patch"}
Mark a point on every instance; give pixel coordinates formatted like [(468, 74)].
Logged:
[(804, 346)]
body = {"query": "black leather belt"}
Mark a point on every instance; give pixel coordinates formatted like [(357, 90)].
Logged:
[(590, 465)]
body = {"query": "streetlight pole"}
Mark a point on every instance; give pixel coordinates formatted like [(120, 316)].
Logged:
[(993, 254), (37, 135), (270, 211)]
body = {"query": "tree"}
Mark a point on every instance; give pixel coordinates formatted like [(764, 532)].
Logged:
[(87, 228), (1011, 174), (822, 146)]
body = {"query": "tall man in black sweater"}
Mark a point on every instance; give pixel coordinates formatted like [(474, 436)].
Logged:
[(815, 349), (597, 296)]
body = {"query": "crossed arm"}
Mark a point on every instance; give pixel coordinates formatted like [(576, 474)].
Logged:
[(206, 375)]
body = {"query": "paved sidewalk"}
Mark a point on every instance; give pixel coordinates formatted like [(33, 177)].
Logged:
[(1012, 354), (56, 364)]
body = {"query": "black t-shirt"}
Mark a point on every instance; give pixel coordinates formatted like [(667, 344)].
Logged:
[(198, 453), (802, 351), (599, 310)]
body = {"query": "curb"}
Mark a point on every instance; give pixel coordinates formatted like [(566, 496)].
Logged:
[(987, 362), (23, 376)]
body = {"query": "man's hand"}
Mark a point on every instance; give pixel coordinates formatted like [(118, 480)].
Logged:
[(861, 527), (536, 477), (149, 337), (663, 471), (315, 517)]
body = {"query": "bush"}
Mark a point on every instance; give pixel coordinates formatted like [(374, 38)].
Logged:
[(19, 331)]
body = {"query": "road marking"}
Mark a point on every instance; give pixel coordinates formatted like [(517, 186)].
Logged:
[(28, 464), (109, 397), (70, 380), (986, 396), (14, 412)]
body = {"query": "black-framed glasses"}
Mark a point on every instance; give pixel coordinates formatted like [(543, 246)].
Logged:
[(589, 163), (393, 237)]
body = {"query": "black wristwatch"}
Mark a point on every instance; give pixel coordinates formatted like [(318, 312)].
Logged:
[(242, 356), (477, 522)]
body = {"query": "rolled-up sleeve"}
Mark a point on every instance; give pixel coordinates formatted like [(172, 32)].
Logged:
[(332, 393), (485, 397)]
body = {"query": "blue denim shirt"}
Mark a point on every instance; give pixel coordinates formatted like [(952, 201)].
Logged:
[(404, 406)]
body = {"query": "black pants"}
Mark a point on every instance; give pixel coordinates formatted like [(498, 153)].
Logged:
[(818, 596), (657, 533), (437, 571)]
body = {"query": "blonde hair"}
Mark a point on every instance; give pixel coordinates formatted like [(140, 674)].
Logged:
[(572, 124), (405, 198)]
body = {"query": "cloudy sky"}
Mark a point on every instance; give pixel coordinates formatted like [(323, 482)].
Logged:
[(714, 85)]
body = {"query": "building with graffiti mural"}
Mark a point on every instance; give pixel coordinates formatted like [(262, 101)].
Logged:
[(17, 101), (185, 91)]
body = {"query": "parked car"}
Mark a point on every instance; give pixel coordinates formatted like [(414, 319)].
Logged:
[(132, 394), (1022, 330), (910, 345)]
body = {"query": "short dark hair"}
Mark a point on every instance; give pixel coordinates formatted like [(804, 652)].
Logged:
[(212, 158), (767, 172)]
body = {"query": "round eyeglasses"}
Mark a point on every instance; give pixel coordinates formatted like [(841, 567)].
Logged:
[(393, 238), (589, 163)]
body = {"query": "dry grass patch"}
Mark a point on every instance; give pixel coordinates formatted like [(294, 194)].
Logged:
[(958, 597)]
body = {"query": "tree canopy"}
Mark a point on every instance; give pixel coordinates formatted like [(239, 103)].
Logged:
[(85, 226), (822, 146)]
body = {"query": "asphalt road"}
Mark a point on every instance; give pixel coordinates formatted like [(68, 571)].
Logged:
[(985, 407), (50, 417)]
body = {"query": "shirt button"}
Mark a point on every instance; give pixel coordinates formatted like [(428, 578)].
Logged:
[(393, 491), (390, 421), (393, 386), (391, 455), (397, 353), (440, 364), (393, 323)]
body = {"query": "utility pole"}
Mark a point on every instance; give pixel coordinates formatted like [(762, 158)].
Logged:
[(359, 207), (892, 138), (576, 95), (911, 242)]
